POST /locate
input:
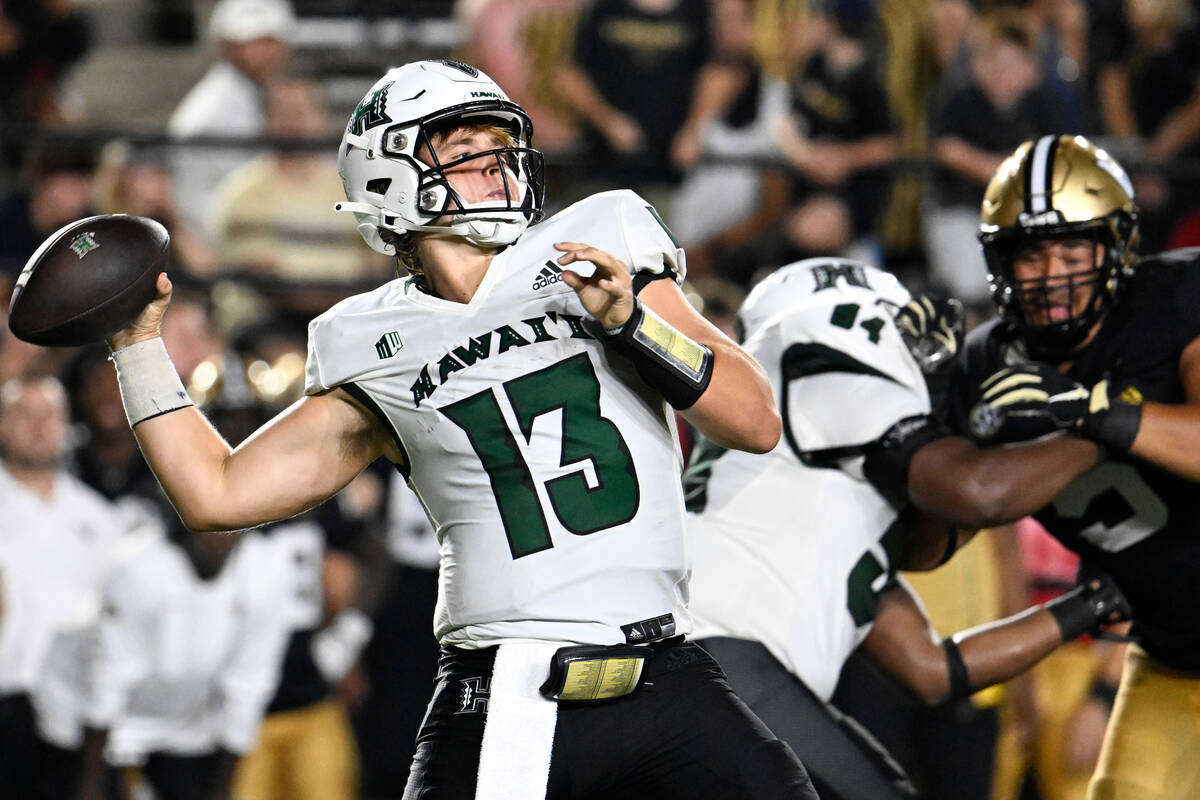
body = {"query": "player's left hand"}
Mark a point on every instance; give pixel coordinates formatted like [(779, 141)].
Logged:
[(607, 293), (933, 328), (1030, 400)]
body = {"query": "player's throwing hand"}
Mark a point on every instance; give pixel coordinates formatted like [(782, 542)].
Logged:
[(607, 293), (148, 323)]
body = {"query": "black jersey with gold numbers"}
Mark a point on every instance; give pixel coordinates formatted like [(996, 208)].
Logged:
[(1138, 521)]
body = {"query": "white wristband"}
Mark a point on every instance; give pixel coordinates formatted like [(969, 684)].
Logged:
[(335, 647), (149, 383)]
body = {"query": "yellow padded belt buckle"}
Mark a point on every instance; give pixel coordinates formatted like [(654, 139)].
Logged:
[(588, 673)]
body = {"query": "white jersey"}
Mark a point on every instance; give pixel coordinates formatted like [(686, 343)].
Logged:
[(548, 468), (185, 665), (55, 553), (792, 548)]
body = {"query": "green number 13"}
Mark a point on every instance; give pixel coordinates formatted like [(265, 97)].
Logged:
[(569, 385)]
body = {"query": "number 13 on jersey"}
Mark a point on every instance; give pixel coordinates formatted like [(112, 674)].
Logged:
[(572, 387)]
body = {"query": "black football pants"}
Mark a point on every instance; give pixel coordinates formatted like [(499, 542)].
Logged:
[(682, 734), (844, 760)]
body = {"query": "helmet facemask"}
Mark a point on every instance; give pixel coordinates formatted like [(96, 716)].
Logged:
[(1058, 189), (1054, 314), (442, 188)]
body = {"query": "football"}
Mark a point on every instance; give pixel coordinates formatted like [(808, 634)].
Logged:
[(88, 280)]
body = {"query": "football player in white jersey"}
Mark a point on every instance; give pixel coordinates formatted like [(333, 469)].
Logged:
[(795, 552), (521, 380)]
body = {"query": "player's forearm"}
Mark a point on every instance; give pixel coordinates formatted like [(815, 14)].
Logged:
[(737, 410), (981, 488), (1169, 436), (188, 457), (1000, 650)]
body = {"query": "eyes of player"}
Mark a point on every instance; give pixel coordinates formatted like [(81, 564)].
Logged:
[(1068, 256)]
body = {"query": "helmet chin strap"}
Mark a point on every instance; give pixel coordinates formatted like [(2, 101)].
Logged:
[(486, 232)]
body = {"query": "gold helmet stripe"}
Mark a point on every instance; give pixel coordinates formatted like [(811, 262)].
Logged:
[(1039, 176)]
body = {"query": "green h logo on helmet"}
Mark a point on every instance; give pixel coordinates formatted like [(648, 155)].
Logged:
[(370, 111)]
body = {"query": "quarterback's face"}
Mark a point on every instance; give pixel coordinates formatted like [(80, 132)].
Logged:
[(1056, 278), (487, 179)]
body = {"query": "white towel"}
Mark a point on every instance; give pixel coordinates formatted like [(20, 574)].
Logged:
[(514, 763)]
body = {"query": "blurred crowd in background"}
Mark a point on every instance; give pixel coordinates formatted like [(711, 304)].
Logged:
[(762, 130)]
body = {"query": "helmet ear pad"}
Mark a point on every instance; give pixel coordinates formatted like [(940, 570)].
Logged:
[(387, 185)]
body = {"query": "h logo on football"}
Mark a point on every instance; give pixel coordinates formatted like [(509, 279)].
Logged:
[(83, 244)]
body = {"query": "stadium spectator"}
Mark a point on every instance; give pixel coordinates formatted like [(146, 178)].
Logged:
[(305, 747), (735, 114), (975, 120), (401, 653), (190, 647), (631, 79), (252, 38), (273, 217), (58, 538), (543, 31), (132, 179), (39, 41), (840, 139), (56, 189), (1149, 99)]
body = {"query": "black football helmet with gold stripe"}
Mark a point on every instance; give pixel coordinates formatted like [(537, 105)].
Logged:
[(1058, 187)]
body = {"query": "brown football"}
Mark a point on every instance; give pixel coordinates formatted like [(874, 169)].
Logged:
[(88, 280)]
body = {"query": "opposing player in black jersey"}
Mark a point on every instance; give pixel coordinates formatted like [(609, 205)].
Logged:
[(1097, 341)]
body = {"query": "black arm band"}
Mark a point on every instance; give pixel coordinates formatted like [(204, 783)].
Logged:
[(960, 679), (1118, 427), (888, 457), (1074, 613), (679, 368)]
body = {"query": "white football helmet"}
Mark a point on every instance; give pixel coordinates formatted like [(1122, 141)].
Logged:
[(392, 176), (792, 284)]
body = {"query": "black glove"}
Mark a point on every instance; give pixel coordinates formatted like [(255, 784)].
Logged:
[(1031, 400), (933, 328), (1093, 603)]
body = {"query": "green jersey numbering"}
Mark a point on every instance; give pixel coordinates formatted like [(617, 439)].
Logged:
[(572, 387)]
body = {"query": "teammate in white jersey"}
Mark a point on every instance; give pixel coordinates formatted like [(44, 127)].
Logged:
[(795, 552), (518, 379)]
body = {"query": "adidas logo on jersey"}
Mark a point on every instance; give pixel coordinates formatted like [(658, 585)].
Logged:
[(551, 273)]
